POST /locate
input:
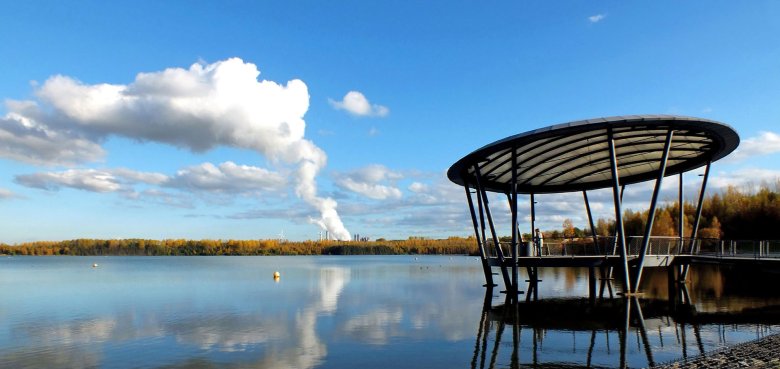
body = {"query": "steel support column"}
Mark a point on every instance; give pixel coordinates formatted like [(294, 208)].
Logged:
[(509, 202), (513, 208), (499, 252), (534, 241), (651, 213), (681, 226), (696, 220), (590, 221), (480, 245), (618, 212), (617, 234)]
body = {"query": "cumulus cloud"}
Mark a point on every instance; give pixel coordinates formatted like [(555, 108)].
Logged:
[(24, 139), (764, 144), (83, 179), (357, 104), (368, 181), (205, 106), (226, 177), (748, 178), (596, 18)]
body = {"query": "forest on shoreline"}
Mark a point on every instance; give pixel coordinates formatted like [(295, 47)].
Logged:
[(181, 247), (730, 214)]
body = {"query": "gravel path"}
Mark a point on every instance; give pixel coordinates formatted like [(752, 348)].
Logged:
[(761, 353)]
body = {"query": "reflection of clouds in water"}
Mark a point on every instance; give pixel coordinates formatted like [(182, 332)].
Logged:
[(120, 328), (35, 358), (429, 308), (332, 282), (376, 326), (290, 342), (79, 331), (227, 333), (308, 351), (452, 320)]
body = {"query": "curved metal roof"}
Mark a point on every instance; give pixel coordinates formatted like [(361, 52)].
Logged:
[(575, 156)]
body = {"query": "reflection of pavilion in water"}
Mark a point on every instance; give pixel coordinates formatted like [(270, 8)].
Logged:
[(606, 332)]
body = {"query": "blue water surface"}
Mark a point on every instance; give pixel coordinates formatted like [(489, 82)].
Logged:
[(324, 312)]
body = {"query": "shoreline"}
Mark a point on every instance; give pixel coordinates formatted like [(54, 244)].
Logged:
[(759, 353)]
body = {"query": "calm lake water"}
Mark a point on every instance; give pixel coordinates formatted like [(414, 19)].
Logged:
[(351, 311)]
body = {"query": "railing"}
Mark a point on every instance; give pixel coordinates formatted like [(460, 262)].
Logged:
[(757, 249), (658, 245)]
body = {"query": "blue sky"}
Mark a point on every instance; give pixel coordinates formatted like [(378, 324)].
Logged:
[(365, 106)]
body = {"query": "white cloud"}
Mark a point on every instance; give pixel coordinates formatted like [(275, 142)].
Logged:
[(368, 181), (764, 144), (356, 104), (375, 173), (596, 18), (25, 140), (207, 105), (418, 187), (373, 191), (745, 179), (227, 177), (132, 176), (83, 179)]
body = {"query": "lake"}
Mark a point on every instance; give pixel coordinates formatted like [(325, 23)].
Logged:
[(352, 311)]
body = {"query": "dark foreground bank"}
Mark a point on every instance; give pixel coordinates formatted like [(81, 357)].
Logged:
[(761, 353)]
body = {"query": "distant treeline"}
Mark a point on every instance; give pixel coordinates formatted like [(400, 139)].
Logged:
[(731, 214), (413, 245)]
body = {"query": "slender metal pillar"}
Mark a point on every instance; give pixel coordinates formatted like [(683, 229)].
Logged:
[(509, 202), (651, 213), (481, 218), (682, 209), (534, 241), (618, 212), (513, 208), (482, 255), (483, 194), (695, 229), (617, 234), (590, 221)]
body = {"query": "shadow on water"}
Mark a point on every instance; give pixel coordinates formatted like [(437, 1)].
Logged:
[(718, 307)]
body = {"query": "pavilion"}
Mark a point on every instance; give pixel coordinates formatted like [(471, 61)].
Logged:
[(582, 156)]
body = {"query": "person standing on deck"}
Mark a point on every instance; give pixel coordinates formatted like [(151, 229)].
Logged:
[(539, 242)]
